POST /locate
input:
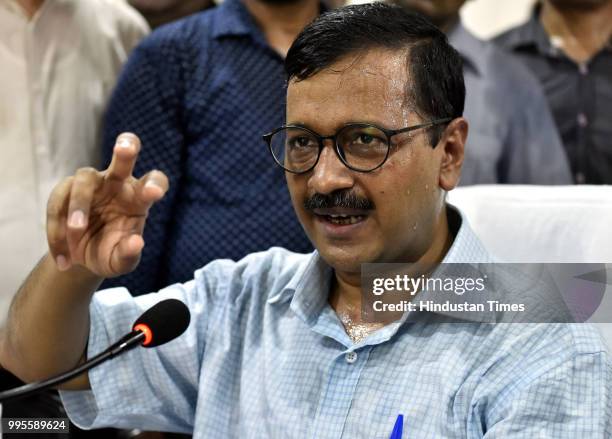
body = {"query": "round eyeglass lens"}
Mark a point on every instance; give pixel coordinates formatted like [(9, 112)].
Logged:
[(365, 147), (295, 149)]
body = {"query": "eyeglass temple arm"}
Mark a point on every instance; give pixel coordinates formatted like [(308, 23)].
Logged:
[(423, 125)]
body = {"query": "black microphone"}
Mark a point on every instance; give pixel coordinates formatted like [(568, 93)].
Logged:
[(159, 324)]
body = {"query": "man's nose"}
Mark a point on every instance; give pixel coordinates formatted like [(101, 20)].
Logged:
[(330, 174)]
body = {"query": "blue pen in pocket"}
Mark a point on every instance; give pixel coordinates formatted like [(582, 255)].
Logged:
[(398, 427)]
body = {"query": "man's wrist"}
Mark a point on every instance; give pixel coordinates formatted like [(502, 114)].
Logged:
[(78, 276)]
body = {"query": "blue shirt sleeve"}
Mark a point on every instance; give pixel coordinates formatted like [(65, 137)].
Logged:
[(147, 102), (571, 400), (156, 389), (151, 389)]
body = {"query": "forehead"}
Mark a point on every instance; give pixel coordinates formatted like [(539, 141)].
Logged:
[(367, 87)]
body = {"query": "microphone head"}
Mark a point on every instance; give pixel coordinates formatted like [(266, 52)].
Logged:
[(163, 322)]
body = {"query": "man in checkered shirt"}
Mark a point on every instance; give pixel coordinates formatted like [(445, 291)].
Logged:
[(276, 347)]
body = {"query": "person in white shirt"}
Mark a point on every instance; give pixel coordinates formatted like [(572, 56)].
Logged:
[(60, 60)]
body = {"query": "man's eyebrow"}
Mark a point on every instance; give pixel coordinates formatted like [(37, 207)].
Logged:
[(298, 124), (342, 125)]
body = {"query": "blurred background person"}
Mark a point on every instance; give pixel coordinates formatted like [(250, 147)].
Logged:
[(568, 45), (512, 136), (334, 4), (159, 12), (60, 60), (200, 93)]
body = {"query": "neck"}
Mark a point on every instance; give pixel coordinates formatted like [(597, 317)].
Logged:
[(345, 296), (581, 32), (158, 13), (30, 7), (281, 23)]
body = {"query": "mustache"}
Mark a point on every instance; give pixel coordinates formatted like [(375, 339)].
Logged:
[(344, 199)]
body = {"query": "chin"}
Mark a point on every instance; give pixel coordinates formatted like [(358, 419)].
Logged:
[(347, 260)]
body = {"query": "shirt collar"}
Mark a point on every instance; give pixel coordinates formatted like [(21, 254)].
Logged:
[(234, 19), (468, 251), (532, 36), (308, 289), (14, 8), (467, 247), (469, 47)]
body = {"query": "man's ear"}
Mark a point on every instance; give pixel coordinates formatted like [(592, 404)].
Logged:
[(452, 146)]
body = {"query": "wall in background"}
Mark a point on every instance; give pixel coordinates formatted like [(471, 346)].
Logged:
[(487, 18)]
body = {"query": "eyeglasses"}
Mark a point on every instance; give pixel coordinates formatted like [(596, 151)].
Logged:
[(361, 147)]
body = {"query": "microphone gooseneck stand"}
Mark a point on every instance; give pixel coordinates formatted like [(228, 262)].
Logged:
[(126, 343)]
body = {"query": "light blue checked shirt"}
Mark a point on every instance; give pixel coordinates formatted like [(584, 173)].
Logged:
[(266, 357)]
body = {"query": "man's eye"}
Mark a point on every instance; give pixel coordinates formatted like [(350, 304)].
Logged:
[(365, 139), (301, 142)]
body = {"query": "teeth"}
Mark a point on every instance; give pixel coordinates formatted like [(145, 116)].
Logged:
[(344, 219)]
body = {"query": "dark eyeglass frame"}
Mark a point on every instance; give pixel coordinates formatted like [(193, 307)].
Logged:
[(339, 150)]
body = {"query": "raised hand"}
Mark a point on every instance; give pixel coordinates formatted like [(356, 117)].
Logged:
[(96, 218)]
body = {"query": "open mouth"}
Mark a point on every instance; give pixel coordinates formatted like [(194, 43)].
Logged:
[(343, 220), (341, 216)]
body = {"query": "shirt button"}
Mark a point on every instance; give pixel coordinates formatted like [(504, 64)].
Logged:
[(580, 179), (583, 68), (351, 357), (583, 121)]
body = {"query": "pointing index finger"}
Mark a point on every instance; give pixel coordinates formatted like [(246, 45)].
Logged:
[(125, 154)]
